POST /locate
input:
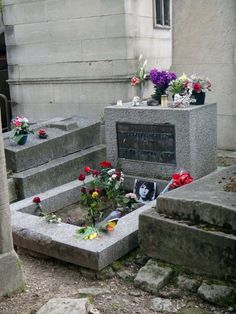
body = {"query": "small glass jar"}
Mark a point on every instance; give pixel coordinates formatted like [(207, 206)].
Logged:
[(164, 101)]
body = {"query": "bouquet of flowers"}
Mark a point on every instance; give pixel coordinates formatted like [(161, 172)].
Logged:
[(20, 127), (198, 84), (161, 81), (106, 184), (140, 76), (179, 86)]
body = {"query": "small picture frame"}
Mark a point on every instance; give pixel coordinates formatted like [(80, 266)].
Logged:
[(145, 191)]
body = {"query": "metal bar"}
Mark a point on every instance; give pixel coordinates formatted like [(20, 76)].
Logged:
[(7, 112)]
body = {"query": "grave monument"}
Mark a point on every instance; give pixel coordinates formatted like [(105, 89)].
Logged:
[(155, 141)]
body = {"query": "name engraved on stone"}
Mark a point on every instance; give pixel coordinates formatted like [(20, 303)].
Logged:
[(146, 142)]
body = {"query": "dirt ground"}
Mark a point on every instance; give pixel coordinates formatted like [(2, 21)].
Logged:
[(49, 278)]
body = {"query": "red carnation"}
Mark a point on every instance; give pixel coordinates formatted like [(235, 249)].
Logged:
[(105, 164), (197, 87), (83, 190), (81, 177), (87, 169), (96, 172), (36, 200), (91, 190)]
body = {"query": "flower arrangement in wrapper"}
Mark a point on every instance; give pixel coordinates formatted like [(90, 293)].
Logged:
[(179, 85), (180, 178), (140, 76), (20, 128), (161, 81), (198, 84)]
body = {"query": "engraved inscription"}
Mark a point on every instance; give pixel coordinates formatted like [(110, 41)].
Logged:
[(155, 143)]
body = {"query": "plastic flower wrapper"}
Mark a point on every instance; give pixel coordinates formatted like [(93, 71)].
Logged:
[(92, 232), (180, 178), (140, 75), (20, 127)]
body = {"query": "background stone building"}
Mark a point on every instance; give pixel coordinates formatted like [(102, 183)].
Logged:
[(70, 57)]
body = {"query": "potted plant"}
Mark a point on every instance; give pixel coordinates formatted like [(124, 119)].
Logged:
[(198, 86), (42, 133), (161, 81), (21, 129), (140, 76), (178, 86)]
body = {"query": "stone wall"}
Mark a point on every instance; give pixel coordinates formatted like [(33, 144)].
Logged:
[(204, 42), (75, 57)]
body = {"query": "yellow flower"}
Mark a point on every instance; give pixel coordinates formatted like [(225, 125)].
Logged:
[(95, 195), (183, 77), (93, 235)]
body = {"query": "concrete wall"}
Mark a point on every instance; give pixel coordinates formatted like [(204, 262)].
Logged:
[(75, 57), (204, 42)]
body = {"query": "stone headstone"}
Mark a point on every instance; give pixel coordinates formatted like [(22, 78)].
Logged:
[(154, 141)]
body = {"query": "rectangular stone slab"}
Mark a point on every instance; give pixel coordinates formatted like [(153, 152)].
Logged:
[(200, 251), (195, 138), (57, 172), (203, 200), (59, 143)]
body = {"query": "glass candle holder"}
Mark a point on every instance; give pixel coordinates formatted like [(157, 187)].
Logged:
[(164, 101)]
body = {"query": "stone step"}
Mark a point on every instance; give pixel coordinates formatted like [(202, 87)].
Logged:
[(57, 172), (201, 251), (204, 200), (64, 137)]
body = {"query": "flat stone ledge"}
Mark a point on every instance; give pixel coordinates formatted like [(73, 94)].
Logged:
[(203, 200), (200, 251), (59, 241), (62, 140)]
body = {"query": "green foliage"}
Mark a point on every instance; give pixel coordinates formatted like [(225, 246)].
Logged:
[(105, 187), (157, 93)]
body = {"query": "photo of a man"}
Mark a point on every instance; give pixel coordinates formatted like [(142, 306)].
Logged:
[(145, 191)]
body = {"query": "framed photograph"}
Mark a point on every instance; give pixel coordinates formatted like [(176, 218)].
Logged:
[(145, 191)]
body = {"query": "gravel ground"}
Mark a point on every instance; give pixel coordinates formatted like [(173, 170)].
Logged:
[(49, 278)]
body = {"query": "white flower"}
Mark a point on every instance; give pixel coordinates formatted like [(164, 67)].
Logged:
[(25, 120), (114, 176), (131, 196), (111, 171), (145, 63)]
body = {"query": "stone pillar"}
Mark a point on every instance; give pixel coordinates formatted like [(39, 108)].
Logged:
[(10, 270)]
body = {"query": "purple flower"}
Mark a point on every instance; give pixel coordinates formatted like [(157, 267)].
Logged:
[(162, 78)]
